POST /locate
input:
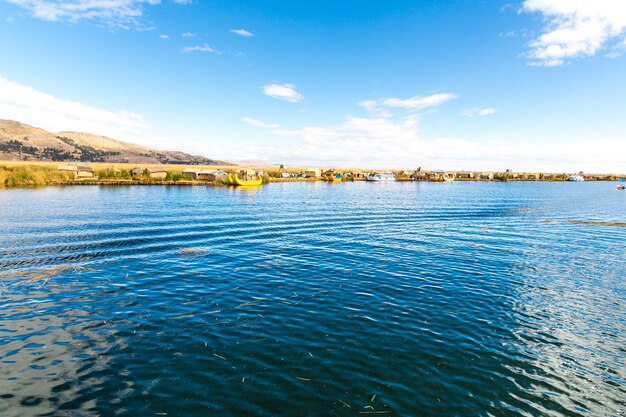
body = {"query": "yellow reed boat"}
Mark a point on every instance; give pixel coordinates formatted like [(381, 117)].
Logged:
[(233, 179), (332, 176)]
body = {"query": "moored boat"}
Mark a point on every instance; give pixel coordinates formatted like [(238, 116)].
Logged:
[(332, 176), (381, 176), (233, 179), (576, 178)]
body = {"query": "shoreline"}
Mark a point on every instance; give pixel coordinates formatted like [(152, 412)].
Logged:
[(101, 174)]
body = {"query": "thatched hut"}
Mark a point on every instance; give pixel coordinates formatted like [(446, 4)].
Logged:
[(421, 175), (85, 171), (191, 173), (158, 173), (78, 171), (465, 175), (136, 171), (211, 175), (486, 176), (313, 173), (73, 169)]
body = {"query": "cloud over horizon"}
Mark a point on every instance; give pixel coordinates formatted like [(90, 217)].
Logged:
[(384, 140), (28, 105)]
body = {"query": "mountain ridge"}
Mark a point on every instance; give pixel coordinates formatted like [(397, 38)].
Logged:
[(22, 142)]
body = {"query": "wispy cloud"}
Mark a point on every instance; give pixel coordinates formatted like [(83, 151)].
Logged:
[(118, 14), (575, 28), (412, 103), (164, 36), (188, 35), (259, 123), (242, 32), (285, 92), (198, 48), (485, 111)]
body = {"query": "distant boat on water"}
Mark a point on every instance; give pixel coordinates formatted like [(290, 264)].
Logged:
[(576, 178), (381, 176)]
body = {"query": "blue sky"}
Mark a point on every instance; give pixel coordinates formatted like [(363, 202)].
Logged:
[(527, 85)]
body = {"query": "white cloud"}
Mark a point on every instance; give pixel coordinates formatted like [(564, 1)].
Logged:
[(385, 141), (575, 28), (285, 92), (164, 36), (412, 103), (187, 35), (486, 111), (121, 14), (198, 48), (27, 105), (183, 2), (242, 32), (259, 123)]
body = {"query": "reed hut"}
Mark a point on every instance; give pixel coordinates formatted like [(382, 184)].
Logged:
[(312, 173), (211, 175), (85, 171), (136, 171), (532, 176), (488, 176), (73, 169), (464, 175), (421, 175), (158, 173), (191, 173)]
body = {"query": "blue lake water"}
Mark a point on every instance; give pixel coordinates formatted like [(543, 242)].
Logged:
[(312, 299)]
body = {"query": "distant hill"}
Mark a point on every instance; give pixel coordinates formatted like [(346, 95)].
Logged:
[(21, 142)]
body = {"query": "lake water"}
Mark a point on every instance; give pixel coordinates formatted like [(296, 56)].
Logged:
[(313, 299)]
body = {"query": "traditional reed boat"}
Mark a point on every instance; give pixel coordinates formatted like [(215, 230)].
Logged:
[(233, 179), (332, 176)]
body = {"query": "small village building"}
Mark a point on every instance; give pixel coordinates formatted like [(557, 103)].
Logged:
[(78, 171), (158, 173), (465, 175), (532, 176), (312, 173), (85, 171), (420, 175), (284, 175), (212, 175), (71, 169), (136, 171), (191, 173), (486, 176)]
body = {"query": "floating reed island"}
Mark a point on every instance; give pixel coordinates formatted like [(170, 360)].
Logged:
[(18, 174)]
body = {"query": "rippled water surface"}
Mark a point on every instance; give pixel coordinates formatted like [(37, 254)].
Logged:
[(400, 299)]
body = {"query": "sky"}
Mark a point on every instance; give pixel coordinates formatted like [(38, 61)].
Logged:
[(528, 85)]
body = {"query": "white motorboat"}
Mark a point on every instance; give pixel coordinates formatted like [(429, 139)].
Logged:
[(381, 176), (576, 178)]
